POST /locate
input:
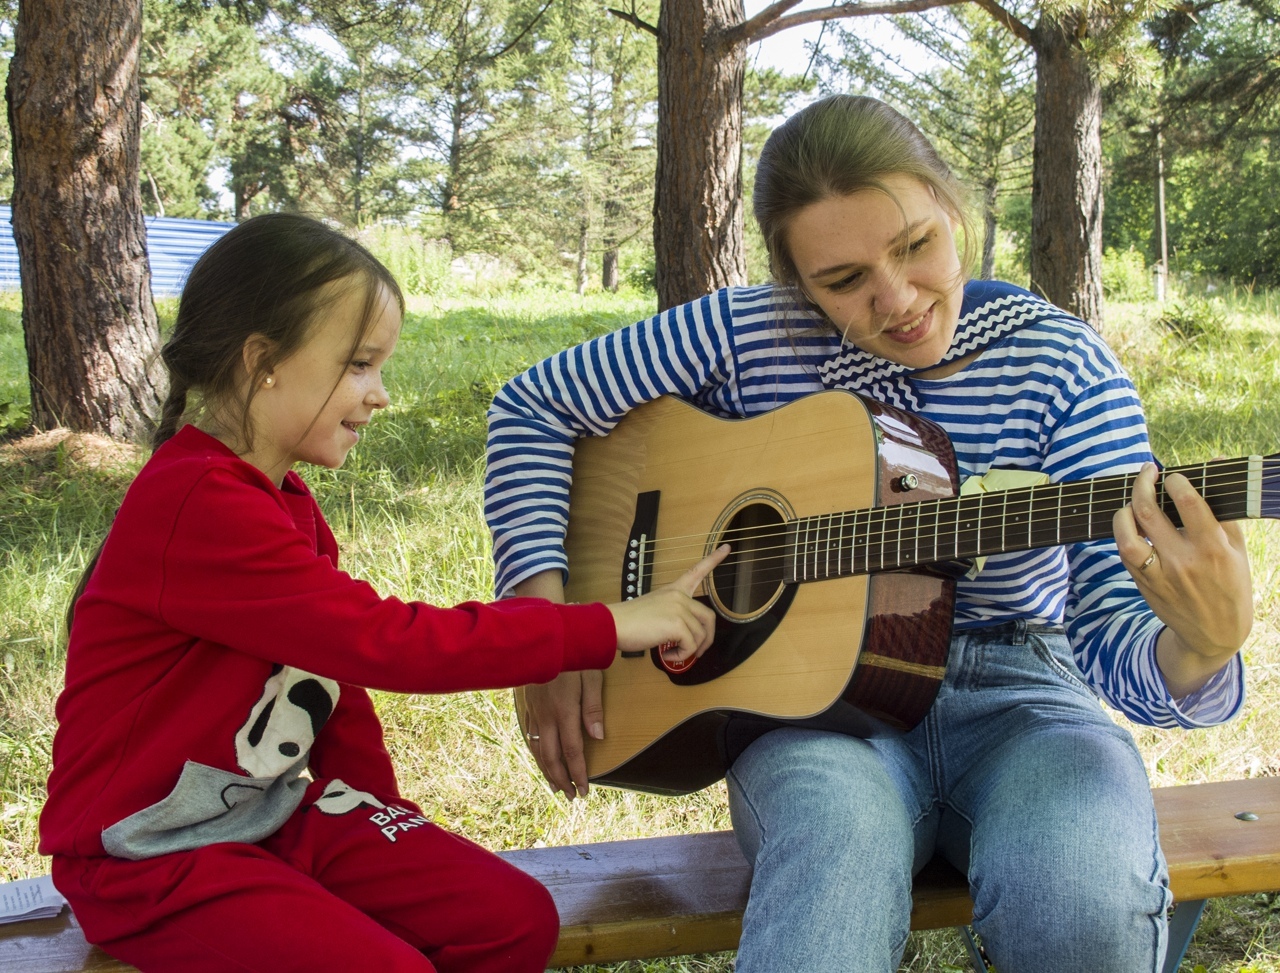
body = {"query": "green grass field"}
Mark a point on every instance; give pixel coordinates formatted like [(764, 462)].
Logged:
[(407, 512)]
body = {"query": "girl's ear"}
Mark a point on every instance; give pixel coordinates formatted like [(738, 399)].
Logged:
[(255, 353)]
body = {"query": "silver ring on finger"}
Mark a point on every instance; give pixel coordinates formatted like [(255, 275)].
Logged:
[(531, 736)]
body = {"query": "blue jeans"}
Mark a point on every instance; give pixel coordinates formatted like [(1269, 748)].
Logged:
[(1016, 776)]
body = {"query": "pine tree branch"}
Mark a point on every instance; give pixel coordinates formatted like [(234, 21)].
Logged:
[(633, 19), (520, 36), (1008, 20), (769, 22)]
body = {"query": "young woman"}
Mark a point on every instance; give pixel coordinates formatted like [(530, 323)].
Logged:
[(221, 798), (1016, 774)]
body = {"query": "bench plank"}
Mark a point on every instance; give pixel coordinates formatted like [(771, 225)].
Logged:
[(53, 946), (1213, 853), (671, 896)]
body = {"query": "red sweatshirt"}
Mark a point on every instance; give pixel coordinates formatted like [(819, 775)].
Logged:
[(217, 641)]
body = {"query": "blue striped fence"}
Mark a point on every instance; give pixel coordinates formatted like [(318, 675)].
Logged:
[(173, 245)]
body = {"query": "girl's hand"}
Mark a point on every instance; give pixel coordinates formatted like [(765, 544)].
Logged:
[(1196, 579), (669, 615), (560, 713)]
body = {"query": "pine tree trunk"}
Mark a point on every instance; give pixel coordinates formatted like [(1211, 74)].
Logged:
[(241, 205), (609, 267), (87, 314), (583, 226), (989, 227), (1066, 193), (698, 206)]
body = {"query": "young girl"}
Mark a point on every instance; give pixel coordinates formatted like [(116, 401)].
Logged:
[(1016, 774), (221, 798)]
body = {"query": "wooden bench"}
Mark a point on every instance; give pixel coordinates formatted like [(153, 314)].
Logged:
[(652, 897)]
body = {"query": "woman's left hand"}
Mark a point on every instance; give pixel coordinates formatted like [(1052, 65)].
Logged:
[(1196, 579)]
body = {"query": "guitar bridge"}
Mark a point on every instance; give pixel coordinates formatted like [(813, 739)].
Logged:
[(637, 569)]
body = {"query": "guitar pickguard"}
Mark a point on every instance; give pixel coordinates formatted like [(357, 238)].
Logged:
[(734, 643)]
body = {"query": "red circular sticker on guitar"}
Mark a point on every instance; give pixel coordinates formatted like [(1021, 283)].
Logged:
[(674, 665)]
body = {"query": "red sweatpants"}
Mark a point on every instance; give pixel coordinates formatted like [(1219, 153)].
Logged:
[(372, 889)]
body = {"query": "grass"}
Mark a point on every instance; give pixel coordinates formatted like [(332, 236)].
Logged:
[(406, 510)]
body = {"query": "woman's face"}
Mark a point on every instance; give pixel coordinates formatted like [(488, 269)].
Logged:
[(883, 268)]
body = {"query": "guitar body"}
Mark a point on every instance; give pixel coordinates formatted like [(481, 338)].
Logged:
[(852, 653)]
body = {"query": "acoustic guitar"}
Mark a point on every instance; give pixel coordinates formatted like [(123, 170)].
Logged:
[(835, 607)]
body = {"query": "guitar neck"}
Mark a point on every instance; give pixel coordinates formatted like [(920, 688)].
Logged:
[(961, 528)]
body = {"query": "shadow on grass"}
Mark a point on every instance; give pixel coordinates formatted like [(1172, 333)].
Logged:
[(56, 488)]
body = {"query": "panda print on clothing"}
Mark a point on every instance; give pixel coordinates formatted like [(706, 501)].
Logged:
[(285, 721), (340, 797), (390, 819), (212, 804)]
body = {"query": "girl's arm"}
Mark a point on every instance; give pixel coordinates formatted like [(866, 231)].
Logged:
[(235, 570)]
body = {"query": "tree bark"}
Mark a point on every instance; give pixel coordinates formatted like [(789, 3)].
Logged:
[(698, 206), (583, 226), (990, 225), (1162, 223), (87, 314), (1066, 181), (609, 266)]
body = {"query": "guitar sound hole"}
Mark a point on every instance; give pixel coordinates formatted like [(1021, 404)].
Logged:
[(750, 578)]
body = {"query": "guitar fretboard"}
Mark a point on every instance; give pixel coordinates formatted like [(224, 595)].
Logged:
[(960, 528)]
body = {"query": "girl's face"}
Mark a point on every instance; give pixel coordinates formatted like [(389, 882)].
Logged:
[(884, 269), (312, 406)]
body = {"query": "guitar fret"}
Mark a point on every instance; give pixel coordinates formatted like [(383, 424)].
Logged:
[(884, 535), (808, 548), (815, 547), (955, 539), (1057, 521), (840, 562), (937, 516), (1004, 519), (1089, 518), (897, 537), (977, 538), (831, 521), (966, 526), (818, 561), (834, 531), (854, 567), (917, 533)]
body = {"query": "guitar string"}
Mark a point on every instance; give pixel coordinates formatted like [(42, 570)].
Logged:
[(890, 518), (1109, 492), (833, 536)]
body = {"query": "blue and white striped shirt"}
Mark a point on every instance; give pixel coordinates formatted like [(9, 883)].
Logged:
[(1048, 396)]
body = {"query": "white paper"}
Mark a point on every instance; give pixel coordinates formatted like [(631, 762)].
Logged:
[(30, 898)]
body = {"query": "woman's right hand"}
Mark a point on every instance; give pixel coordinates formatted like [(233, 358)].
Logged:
[(558, 712), (555, 715)]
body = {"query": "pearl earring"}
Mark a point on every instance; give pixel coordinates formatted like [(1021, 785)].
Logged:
[(269, 381)]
